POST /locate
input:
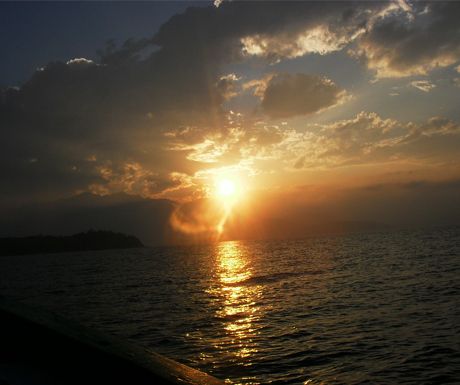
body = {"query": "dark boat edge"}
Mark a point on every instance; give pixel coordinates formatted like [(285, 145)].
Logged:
[(35, 337)]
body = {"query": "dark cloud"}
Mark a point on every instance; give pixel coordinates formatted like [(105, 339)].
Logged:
[(288, 95), (114, 112), (264, 28), (404, 44)]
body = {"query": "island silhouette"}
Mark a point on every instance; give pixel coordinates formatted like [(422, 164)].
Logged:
[(85, 241)]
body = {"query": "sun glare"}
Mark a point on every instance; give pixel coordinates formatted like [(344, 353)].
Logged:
[(228, 192), (226, 188)]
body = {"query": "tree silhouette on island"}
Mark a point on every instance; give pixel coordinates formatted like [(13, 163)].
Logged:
[(90, 240)]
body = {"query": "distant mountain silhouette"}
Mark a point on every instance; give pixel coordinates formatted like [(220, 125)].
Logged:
[(91, 240)]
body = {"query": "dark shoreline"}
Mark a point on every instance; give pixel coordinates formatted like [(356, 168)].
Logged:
[(89, 241)]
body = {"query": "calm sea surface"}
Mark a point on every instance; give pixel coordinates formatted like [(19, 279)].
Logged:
[(380, 308)]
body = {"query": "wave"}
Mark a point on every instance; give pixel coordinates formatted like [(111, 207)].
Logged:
[(272, 278)]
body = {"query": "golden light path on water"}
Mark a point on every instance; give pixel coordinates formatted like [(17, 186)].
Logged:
[(237, 305), (240, 306)]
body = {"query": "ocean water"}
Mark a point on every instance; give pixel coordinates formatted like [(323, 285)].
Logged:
[(377, 308)]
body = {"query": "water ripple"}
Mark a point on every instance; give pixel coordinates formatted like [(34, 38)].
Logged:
[(380, 308)]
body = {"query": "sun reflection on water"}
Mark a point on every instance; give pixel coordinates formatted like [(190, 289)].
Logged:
[(238, 302)]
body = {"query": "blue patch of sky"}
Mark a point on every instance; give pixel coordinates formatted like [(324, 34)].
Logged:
[(35, 33)]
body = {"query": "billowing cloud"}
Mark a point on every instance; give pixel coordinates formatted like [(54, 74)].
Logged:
[(217, 3), (80, 63), (132, 178), (319, 39), (423, 85), (413, 43), (367, 139), (241, 140), (312, 28), (227, 86), (286, 95)]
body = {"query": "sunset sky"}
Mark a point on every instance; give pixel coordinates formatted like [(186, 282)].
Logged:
[(128, 116)]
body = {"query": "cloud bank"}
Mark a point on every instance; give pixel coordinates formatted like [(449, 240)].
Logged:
[(415, 42), (150, 117)]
